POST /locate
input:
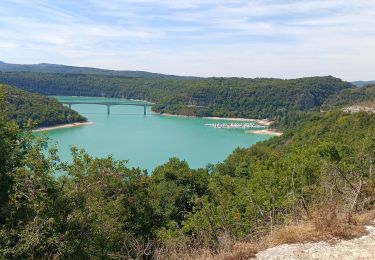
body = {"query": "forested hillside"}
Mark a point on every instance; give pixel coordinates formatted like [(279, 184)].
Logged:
[(350, 97), (363, 83), (42, 111), (253, 98), (225, 97), (64, 69), (102, 209)]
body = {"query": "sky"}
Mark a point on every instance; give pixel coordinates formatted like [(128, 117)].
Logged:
[(253, 38)]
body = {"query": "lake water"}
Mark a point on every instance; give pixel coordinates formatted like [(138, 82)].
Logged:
[(148, 141)]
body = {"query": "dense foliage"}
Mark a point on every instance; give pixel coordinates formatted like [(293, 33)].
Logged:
[(350, 97), (42, 111), (102, 209), (225, 97)]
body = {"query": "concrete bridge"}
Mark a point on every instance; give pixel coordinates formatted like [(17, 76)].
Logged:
[(108, 104)]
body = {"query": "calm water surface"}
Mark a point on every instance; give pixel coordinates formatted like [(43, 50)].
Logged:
[(148, 141)]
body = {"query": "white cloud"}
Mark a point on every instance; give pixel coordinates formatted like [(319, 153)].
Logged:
[(286, 38)]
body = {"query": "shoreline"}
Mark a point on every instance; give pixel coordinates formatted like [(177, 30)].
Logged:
[(264, 132), (264, 122), (49, 128)]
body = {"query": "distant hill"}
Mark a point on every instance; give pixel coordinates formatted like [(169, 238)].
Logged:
[(43, 111), (64, 69), (217, 97), (363, 83), (350, 97)]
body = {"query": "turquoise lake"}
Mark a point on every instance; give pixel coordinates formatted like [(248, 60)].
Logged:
[(148, 141)]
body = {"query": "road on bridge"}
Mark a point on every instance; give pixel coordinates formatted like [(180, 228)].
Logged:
[(108, 104)]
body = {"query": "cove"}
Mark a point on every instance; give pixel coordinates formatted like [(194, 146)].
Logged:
[(148, 141)]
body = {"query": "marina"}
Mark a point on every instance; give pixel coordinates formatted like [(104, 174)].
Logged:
[(235, 125)]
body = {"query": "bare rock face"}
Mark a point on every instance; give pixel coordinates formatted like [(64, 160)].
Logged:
[(307, 101), (359, 248)]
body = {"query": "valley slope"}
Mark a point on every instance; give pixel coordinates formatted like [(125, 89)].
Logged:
[(218, 97), (42, 111), (350, 97)]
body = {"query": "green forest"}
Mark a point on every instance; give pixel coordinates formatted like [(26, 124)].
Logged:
[(223, 97), (350, 97), (40, 111), (99, 208)]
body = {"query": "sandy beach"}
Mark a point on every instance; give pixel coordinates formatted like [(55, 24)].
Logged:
[(264, 122), (264, 132), (41, 129)]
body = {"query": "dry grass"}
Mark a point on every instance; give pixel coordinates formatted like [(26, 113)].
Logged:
[(364, 218), (227, 250), (241, 251), (329, 221), (182, 253), (302, 232), (324, 223)]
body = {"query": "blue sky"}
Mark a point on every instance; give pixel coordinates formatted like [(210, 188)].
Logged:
[(254, 38)]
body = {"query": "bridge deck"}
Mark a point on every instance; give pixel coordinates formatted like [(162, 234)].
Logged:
[(106, 103)]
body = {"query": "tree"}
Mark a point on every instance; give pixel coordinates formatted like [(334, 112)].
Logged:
[(8, 154)]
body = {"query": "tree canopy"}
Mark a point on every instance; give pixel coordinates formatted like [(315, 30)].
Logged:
[(41, 111), (224, 97), (352, 96)]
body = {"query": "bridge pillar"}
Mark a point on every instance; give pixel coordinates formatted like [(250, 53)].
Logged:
[(108, 110), (144, 110)]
